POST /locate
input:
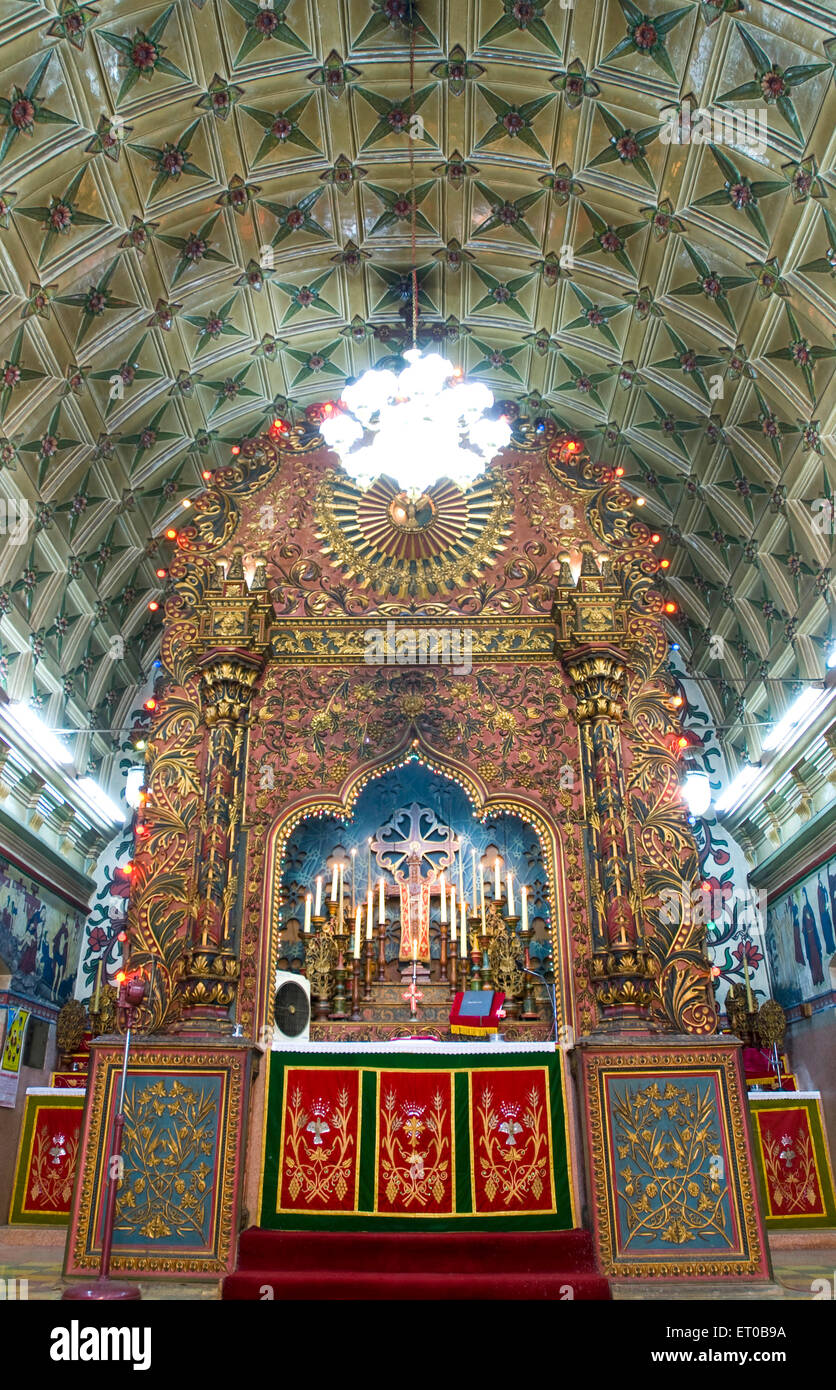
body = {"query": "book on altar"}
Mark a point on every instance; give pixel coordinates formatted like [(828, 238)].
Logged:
[(475, 1012)]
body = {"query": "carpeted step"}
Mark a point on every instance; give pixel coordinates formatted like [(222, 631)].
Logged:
[(426, 1264), (418, 1252), (332, 1284)]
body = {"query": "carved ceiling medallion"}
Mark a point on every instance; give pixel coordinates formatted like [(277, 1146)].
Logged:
[(384, 540)]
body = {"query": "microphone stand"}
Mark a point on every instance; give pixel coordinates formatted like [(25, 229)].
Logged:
[(552, 993)]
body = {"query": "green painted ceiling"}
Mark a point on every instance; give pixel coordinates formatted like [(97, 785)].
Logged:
[(672, 302)]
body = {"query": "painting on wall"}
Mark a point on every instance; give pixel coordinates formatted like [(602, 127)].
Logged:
[(40, 936), (800, 939)]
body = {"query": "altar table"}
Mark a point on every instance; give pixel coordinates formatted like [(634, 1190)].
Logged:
[(429, 1136)]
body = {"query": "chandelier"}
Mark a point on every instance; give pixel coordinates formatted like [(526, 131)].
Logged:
[(416, 426)]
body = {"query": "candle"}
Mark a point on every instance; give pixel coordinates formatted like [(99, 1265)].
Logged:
[(452, 911), (481, 887), (98, 989), (415, 948), (342, 894), (443, 901), (369, 911), (497, 883), (308, 913), (509, 880), (484, 927), (473, 861), (463, 928), (334, 884), (381, 911), (353, 880), (524, 891), (357, 921), (318, 912)]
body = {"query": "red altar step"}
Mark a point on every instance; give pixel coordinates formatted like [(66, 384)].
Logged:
[(443, 1264)]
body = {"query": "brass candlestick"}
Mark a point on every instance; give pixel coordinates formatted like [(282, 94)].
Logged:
[(381, 951), (474, 922), (339, 1006), (368, 962), (453, 964), (355, 990), (529, 1013), (442, 974)]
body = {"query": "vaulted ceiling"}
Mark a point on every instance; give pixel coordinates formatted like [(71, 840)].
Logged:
[(205, 215)]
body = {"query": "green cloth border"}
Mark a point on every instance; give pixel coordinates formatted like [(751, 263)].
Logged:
[(797, 1222), (34, 1104), (559, 1220)]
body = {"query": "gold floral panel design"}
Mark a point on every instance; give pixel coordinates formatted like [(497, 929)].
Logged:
[(671, 1165), (176, 1205)]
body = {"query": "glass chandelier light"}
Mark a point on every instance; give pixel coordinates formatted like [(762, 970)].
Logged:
[(416, 426)]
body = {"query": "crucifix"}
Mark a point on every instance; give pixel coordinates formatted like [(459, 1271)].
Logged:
[(414, 834)]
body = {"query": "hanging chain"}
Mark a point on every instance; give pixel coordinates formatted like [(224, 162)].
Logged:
[(412, 186)]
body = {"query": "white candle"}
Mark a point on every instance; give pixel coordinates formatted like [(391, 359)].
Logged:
[(369, 913), (443, 901), (381, 911), (473, 860), (318, 912), (357, 921), (481, 887), (353, 881), (463, 947), (452, 911), (524, 891), (308, 913), (509, 880), (334, 885), (415, 948), (497, 885)]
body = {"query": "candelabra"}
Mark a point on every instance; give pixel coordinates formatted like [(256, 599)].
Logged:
[(318, 963)]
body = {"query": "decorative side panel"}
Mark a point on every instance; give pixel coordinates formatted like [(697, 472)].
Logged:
[(46, 1160), (185, 1119), (793, 1162), (672, 1185)]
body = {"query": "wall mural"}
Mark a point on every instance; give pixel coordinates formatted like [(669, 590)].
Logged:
[(40, 937), (734, 923), (801, 937)]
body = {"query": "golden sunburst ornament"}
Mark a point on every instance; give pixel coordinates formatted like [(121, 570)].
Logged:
[(383, 538)]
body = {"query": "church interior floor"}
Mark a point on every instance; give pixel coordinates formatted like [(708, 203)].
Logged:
[(36, 1256)]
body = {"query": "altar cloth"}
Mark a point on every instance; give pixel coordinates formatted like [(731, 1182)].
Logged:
[(448, 1138)]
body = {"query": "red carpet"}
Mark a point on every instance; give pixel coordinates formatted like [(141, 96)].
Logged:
[(456, 1264)]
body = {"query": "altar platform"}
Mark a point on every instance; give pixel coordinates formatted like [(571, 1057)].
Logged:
[(417, 1135)]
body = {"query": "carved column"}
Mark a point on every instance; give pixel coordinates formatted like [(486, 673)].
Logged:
[(592, 642), (234, 640)]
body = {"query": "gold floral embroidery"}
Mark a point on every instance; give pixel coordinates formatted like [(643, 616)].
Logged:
[(512, 1148), (318, 1157), (415, 1170)]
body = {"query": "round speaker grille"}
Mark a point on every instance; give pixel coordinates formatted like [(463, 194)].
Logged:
[(291, 1009)]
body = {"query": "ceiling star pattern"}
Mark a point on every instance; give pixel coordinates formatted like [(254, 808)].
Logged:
[(205, 220)]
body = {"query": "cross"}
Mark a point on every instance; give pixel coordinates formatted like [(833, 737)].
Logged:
[(412, 995), (317, 1128)]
